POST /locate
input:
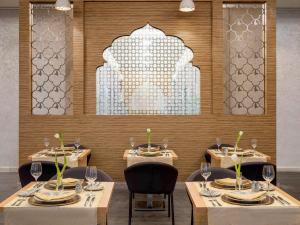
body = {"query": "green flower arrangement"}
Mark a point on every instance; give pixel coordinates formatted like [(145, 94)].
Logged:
[(149, 137), (60, 137), (238, 161)]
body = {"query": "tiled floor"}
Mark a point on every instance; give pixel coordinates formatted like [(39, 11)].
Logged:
[(118, 214)]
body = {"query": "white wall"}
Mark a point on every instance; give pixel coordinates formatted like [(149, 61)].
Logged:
[(9, 89), (288, 89)]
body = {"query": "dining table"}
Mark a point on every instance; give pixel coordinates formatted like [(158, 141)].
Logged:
[(75, 158), (221, 159), (18, 210), (282, 210)]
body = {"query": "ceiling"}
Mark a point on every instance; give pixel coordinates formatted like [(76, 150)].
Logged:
[(280, 3)]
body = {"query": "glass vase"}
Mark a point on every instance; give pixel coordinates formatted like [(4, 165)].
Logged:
[(59, 183), (238, 182)]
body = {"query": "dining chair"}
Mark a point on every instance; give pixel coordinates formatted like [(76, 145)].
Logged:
[(216, 173), (79, 173), (207, 155), (253, 170), (81, 147), (48, 171), (151, 178)]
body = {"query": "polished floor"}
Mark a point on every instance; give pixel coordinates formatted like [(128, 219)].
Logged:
[(118, 214)]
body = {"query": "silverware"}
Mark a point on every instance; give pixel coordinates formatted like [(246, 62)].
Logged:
[(212, 202), (15, 202), (92, 200), (277, 199), (283, 200), (87, 200), (217, 202)]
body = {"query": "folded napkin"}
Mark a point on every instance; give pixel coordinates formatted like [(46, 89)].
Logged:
[(53, 196), (226, 181), (247, 196), (66, 181)]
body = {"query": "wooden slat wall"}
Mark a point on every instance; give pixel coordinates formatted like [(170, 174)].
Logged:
[(96, 24)]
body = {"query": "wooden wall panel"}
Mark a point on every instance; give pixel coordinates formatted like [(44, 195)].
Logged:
[(96, 24)]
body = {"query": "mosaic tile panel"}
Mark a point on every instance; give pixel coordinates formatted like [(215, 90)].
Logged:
[(244, 32), (148, 73), (51, 49)]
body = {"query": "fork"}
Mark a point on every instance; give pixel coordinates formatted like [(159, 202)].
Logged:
[(21, 200), (277, 199), (92, 199), (87, 200)]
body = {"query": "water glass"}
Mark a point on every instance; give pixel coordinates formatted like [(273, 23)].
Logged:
[(36, 170), (132, 144), (218, 142), (165, 143), (77, 144), (46, 143), (268, 175), (205, 171), (91, 175), (253, 143)]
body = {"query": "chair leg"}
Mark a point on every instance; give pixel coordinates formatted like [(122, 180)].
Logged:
[(172, 205), (130, 208), (169, 205), (192, 218)]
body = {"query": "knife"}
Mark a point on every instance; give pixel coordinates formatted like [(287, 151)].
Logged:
[(92, 200), (283, 200), (86, 201)]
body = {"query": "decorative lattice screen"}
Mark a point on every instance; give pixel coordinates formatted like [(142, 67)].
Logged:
[(51, 49), (244, 32), (148, 73)]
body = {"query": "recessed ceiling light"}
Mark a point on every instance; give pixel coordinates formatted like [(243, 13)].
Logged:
[(187, 6)]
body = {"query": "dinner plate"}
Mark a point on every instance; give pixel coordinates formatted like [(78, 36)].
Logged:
[(150, 154), (152, 149), (245, 186), (51, 185), (36, 202), (58, 153), (267, 200)]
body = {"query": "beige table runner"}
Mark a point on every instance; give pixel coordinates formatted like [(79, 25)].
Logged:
[(274, 214), (72, 159), (132, 159), (75, 214), (226, 161)]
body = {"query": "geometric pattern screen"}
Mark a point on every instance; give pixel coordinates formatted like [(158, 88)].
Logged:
[(244, 42), (51, 50), (148, 73)]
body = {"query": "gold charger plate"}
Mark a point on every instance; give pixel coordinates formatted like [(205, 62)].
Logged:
[(36, 202), (58, 153), (265, 201), (245, 186), (150, 154)]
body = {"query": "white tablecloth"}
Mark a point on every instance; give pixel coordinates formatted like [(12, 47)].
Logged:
[(132, 159), (274, 214), (75, 214)]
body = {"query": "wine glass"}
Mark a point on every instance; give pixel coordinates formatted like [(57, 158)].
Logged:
[(91, 175), (132, 144), (268, 174), (165, 144), (205, 171), (218, 142), (36, 170), (46, 143), (77, 144)]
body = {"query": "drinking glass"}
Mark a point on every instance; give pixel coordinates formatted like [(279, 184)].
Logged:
[(268, 175), (205, 171), (77, 144), (218, 142), (46, 143), (253, 143), (91, 175), (132, 144), (165, 144), (36, 170)]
